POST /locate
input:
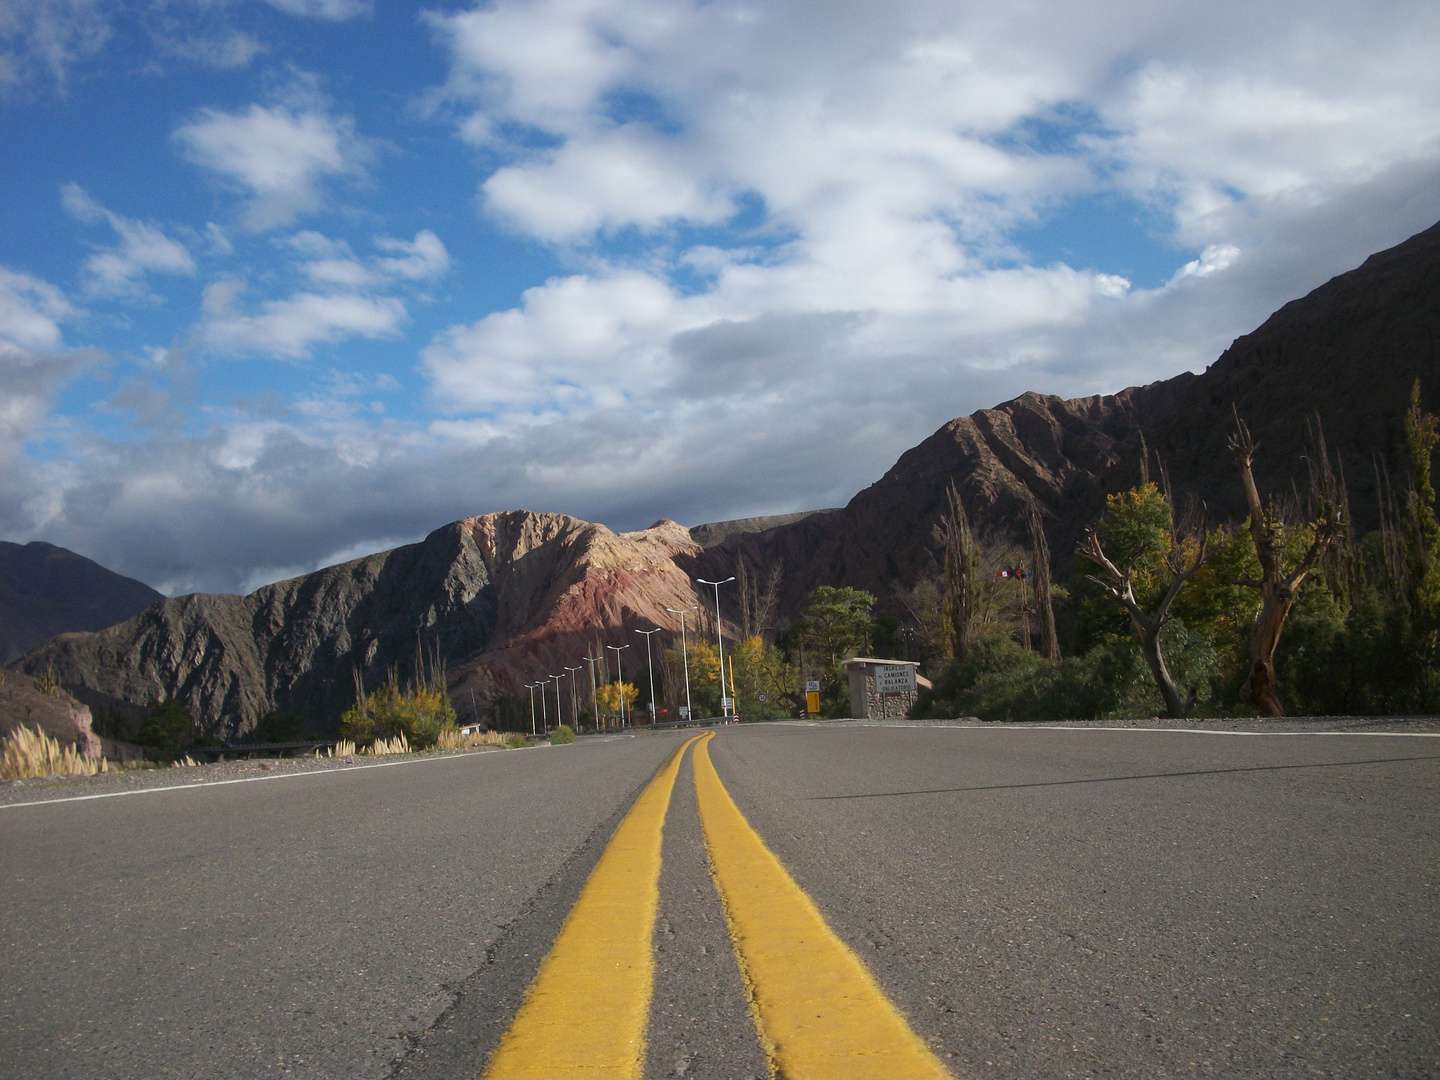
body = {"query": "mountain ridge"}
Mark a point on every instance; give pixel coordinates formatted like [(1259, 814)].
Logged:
[(510, 596)]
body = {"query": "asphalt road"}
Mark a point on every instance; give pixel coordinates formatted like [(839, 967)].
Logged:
[(1037, 903)]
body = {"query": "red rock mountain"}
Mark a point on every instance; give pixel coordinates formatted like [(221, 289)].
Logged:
[(519, 593)]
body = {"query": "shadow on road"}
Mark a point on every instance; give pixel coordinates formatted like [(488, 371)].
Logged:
[(1120, 779)]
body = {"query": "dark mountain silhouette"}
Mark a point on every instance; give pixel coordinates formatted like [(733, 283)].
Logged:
[(46, 590)]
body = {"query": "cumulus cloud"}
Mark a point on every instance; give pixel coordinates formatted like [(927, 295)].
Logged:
[(141, 248), (795, 239), (30, 314), (418, 259), (290, 328), (281, 155)]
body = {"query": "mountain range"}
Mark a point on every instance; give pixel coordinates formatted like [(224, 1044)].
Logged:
[(505, 598)]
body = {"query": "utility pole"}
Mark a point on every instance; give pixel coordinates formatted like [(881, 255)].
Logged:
[(720, 641), (651, 663), (685, 654), (531, 688)]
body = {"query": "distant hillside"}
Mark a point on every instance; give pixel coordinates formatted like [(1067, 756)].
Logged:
[(46, 590), (1349, 352), (519, 593), (714, 532)]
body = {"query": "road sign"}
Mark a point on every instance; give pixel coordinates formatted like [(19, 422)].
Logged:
[(725, 703), (684, 712), (812, 686), (894, 679), (762, 697), (812, 702)]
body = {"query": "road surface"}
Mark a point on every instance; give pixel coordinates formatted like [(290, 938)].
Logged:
[(1026, 901)]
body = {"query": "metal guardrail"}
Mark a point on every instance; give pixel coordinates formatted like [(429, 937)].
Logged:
[(309, 746)]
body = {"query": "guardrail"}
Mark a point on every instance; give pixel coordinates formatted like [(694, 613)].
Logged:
[(309, 746)]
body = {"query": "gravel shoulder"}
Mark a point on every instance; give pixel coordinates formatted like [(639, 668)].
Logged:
[(119, 780)]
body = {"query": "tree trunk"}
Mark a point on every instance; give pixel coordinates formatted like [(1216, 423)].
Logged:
[(1260, 689), (1040, 559), (1149, 636)]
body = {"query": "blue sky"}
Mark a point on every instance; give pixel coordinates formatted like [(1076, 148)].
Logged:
[(286, 282)]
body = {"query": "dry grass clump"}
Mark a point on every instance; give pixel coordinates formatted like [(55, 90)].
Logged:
[(47, 683), (398, 745), (29, 754), (455, 740), (343, 748)]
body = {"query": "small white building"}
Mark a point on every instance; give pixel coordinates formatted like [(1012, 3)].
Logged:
[(881, 689)]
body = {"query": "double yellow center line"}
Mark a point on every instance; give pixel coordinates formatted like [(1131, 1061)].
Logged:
[(818, 1010)]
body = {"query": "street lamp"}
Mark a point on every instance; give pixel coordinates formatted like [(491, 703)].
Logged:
[(531, 687), (651, 663), (558, 709), (594, 688), (620, 675), (574, 699), (544, 716), (719, 641), (685, 653)]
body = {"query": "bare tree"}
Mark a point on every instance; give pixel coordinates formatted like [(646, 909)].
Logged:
[(1040, 561), (1119, 586), (961, 566), (1277, 586)]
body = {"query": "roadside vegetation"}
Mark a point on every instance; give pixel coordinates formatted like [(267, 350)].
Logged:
[(1170, 614)]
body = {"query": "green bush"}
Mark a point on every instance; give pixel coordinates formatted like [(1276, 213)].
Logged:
[(168, 731), (420, 714), (562, 735)]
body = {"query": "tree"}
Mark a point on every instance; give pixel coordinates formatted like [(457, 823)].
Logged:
[(1422, 434), (1155, 560), (1277, 586), (836, 622), (1040, 560), (167, 731), (961, 567)]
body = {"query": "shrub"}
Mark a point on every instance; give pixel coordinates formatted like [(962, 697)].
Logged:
[(28, 754), (420, 715), (167, 731), (452, 739), (562, 735)]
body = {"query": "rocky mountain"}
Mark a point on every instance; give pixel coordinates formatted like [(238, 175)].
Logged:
[(46, 590), (511, 596), (1348, 353), (516, 594)]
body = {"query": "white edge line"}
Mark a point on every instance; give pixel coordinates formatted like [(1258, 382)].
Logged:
[(1262, 734), (195, 786)]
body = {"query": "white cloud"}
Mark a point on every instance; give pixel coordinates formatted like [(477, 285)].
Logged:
[(31, 311), (142, 248), (328, 10), (281, 155), (292, 327), (47, 37), (423, 257)]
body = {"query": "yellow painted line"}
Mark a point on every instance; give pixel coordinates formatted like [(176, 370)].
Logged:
[(586, 1012), (819, 1011)]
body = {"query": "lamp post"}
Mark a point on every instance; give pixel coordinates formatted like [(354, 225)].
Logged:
[(649, 661), (720, 641), (574, 698), (620, 675), (594, 687), (544, 716), (558, 709), (531, 687), (685, 653)]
